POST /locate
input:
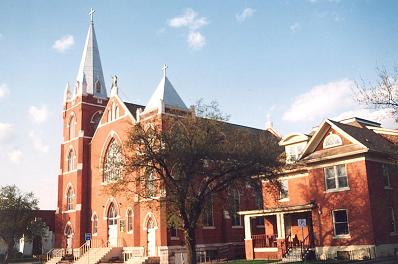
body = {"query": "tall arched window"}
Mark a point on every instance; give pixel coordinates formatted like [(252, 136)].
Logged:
[(69, 199), (129, 220), (95, 224), (112, 162), (96, 119), (112, 215), (150, 185), (235, 218), (207, 214), (72, 127), (71, 160)]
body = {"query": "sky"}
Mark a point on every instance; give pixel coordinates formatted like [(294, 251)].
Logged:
[(291, 62)]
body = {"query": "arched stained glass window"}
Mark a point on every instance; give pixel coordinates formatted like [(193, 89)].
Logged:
[(112, 162), (112, 215)]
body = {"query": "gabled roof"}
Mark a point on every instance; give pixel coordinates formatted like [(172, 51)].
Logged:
[(362, 139), (165, 92), (133, 108)]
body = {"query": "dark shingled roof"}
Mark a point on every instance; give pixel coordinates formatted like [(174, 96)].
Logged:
[(133, 108), (372, 140)]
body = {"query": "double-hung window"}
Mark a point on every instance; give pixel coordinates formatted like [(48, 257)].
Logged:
[(340, 222), (336, 177)]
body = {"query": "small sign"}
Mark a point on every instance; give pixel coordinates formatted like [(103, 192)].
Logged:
[(87, 236), (301, 222)]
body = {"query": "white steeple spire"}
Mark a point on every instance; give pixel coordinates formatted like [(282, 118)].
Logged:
[(90, 77), (165, 95)]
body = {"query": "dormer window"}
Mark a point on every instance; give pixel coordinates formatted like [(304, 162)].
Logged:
[(332, 140), (97, 87), (293, 152)]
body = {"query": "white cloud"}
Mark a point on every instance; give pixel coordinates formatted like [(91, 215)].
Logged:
[(321, 101), (15, 156), (245, 14), (39, 114), (64, 43), (189, 19), (196, 40), (6, 131), (4, 91), (295, 27), (37, 142)]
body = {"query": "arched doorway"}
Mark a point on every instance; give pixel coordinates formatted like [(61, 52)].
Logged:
[(112, 226), (151, 233), (69, 239)]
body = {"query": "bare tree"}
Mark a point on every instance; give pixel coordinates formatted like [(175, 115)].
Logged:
[(182, 161), (383, 94)]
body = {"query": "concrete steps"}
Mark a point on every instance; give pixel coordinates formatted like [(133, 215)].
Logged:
[(136, 260), (93, 255), (54, 260)]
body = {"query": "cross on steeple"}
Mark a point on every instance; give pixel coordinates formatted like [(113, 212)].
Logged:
[(164, 69), (92, 11)]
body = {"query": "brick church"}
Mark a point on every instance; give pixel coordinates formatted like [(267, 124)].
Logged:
[(95, 124)]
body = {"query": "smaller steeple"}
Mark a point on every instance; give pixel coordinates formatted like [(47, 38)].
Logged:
[(165, 95), (114, 88), (67, 95)]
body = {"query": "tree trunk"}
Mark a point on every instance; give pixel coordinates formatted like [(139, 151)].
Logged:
[(190, 239), (10, 248)]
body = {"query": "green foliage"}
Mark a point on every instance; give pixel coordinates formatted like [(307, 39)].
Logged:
[(17, 215)]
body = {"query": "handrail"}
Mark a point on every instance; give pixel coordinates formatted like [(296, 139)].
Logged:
[(264, 241), (304, 246), (55, 252)]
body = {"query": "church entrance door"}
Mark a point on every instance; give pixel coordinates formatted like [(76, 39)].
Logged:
[(69, 240), (151, 238), (112, 226)]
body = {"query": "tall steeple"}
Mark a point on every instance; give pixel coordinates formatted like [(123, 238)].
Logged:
[(90, 79)]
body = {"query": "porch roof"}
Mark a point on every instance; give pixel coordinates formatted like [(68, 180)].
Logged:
[(282, 209)]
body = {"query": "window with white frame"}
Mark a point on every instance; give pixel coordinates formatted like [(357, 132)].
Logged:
[(69, 199), (340, 222), (112, 215), (392, 225), (235, 218), (129, 220), (112, 162), (207, 213), (71, 160), (336, 177), (293, 152), (386, 175), (332, 140), (284, 190), (95, 224)]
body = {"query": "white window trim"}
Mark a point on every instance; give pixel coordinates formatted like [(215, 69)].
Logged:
[(338, 188), (334, 225)]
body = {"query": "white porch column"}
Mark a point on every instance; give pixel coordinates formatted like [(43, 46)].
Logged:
[(280, 224), (248, 231)]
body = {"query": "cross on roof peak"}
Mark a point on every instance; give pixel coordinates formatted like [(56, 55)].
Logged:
[(164, 69), (91, 14)]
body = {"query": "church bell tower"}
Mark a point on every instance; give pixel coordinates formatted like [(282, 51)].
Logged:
[(81, 113)]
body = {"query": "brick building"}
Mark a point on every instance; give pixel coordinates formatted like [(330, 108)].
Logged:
[(338, 198), (94, 128)]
